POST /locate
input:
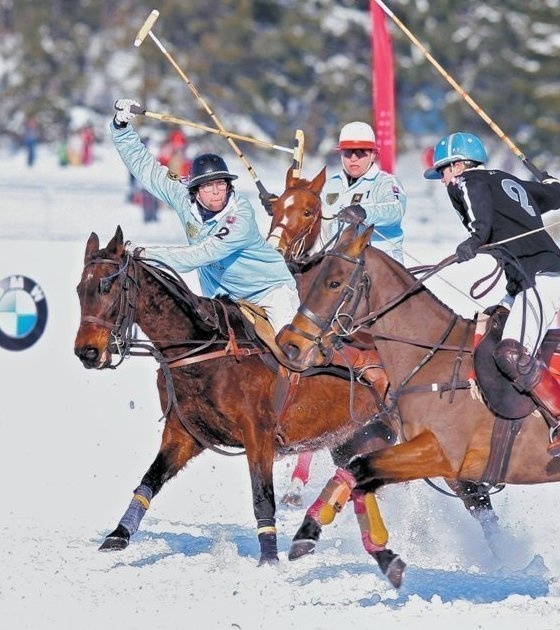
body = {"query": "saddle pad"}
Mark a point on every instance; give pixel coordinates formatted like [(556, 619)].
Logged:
[(264, 331), (498, 391)]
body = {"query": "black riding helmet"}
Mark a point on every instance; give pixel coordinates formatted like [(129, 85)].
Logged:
[(208, 167)]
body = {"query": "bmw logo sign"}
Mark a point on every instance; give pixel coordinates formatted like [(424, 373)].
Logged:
[(23, 312)]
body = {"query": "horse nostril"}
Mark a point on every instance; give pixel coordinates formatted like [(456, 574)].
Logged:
[(291, 351), (87, 354)]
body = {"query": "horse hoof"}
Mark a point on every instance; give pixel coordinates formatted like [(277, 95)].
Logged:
[(293, 499), (117, 540), (293, 495), (301, 548), (270, 561), (114, 543), (392, 566)]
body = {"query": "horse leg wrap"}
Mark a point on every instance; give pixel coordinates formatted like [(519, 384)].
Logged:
[(373, 530), (333, 497), (301, 471), (137, 508), (266, 532)]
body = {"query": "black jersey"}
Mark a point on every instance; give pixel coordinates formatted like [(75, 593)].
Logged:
[(494, 205)]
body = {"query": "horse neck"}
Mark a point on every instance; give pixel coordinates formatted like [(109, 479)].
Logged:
[(185, 317), (159, 314), (419, 317)]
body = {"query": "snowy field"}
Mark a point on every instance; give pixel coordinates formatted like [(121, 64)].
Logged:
[(75, 443)]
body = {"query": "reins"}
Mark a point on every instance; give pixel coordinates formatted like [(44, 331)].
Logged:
[(124, 339)]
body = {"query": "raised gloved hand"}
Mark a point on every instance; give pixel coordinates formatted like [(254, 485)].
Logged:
[(134, 250), (466, 250), (124, 115), (267, 200), (353, 214)]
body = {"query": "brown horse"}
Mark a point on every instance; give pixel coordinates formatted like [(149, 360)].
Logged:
[(427, 351), (295, 226), (216, 383), (296, 216)]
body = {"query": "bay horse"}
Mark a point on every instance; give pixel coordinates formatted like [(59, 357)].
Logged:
[(427, 351), (294, 229), (216, 382)]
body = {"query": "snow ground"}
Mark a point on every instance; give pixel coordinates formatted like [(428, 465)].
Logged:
[(74, 444)]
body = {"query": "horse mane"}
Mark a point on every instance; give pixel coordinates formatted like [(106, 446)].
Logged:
[(210, 313), (408, 279)]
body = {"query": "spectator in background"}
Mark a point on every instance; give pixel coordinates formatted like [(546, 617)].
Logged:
[(173, 153), (30, 140), (87, 137)]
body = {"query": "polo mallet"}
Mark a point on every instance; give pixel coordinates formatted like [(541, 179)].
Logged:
[(536, 172), (297, 163), (146, 29), (228, 134)]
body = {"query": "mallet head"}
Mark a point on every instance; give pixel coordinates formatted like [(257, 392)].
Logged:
[(146, 27)]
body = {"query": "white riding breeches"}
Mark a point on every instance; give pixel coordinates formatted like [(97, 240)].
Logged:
[(281, 305), (538, 318)]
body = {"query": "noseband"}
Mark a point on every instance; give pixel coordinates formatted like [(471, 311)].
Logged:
[(120, 330), (338, 322)]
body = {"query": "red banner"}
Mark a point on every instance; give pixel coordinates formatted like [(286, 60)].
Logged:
[(383, 88)]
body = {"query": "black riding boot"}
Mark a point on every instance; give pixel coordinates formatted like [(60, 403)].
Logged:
[(531, 376)]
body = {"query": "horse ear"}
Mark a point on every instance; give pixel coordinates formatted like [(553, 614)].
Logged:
[(290, 179), (92, 246), (353, 242), (319, 181), (119, 235), (116, 243), (365, 238)]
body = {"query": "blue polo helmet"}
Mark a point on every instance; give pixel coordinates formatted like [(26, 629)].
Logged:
[(455, 148)]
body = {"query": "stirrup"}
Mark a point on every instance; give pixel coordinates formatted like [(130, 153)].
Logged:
[(554, 446)]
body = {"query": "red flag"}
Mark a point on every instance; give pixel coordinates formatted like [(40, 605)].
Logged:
[(383, 88)]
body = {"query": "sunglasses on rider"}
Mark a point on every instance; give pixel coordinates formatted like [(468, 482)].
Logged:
[(360, 153)]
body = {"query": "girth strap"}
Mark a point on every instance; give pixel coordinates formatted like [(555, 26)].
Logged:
[(503, 436)]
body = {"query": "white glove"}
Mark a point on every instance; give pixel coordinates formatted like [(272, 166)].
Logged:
[(548, 178), (124, 115), (134, 250)]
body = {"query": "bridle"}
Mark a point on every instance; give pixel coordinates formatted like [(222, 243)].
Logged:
[(296, 247), (339, 320), (121, 330)]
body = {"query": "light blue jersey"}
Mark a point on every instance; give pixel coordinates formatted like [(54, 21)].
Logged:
[(228, 251), (382, 197)]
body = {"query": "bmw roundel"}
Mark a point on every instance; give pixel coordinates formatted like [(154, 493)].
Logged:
[(23, 312)]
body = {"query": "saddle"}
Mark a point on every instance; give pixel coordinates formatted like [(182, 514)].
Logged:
[(287, 380), (499, 393), (263, 329)]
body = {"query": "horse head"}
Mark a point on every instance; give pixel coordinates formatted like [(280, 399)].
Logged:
[(327, 312), (102, 293), (296, 215)]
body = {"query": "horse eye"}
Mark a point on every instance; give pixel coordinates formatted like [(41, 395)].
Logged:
[(104, 285), (334, 284), (307, 213)]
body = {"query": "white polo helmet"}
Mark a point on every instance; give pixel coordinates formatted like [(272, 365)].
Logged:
[(357, 135)]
